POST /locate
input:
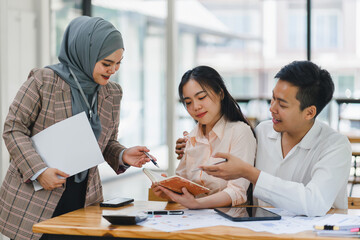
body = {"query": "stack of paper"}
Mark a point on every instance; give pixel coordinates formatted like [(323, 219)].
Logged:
[(338, 231), (345, 227), (341, 233)]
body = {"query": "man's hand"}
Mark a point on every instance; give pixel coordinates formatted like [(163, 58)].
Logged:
[(232, 169), (180, 145), (135, 156), (50, 180)]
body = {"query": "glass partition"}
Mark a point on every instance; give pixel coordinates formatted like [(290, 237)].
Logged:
[(61, 13), (336, 47), (141, 74), (247, 42)]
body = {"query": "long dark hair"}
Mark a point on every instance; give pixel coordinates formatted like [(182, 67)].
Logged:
[(210, 79)]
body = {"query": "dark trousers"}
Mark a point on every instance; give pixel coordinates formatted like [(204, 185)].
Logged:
[(72, 199)]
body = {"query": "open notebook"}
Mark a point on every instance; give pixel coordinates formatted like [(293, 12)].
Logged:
[(175, 183)]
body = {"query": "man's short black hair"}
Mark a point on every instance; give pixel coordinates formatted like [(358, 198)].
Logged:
[(315, 84)]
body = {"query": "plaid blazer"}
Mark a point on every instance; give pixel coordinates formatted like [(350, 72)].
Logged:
[(45, 99)]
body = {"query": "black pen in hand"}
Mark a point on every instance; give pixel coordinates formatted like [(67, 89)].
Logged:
[(151, 159), (165, 212)]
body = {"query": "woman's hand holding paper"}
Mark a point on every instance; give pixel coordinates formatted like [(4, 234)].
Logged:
[(50, 180)]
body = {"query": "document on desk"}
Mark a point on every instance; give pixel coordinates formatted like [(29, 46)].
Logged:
[(289, 223), (69, 145), (189, 220)]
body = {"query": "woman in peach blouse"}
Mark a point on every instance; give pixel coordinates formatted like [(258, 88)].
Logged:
[(221, 127)]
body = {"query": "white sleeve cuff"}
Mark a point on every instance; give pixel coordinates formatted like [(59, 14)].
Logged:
[(34, 177), (37, 186), (121, 162)]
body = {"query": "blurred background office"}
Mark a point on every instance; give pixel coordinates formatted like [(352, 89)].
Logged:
[(247, 41)]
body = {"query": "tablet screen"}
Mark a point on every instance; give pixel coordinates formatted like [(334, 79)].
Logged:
[(247, 213)]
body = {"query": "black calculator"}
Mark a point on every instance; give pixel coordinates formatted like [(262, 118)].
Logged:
[(125, 219)]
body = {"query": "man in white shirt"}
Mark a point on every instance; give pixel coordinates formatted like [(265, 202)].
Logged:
[(302, 165)]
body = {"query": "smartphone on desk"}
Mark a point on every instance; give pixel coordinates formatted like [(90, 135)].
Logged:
[(116, 202)]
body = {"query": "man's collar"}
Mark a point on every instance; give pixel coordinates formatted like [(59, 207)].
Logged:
[(273, 134), (307, 141)]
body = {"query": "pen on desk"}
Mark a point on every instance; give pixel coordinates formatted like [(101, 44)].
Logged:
[(164, 212), (332, 227), (216, 163), (151, 159)]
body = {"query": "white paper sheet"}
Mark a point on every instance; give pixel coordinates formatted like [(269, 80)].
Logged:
[(289, 224), (339, 220), (69, 145), (191, 219)]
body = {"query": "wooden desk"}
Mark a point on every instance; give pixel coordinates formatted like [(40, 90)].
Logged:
[(354, 139), (88, 222)]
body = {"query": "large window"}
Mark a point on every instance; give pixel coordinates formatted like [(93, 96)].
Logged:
[(226, 35), (336, 48), (142, 72), (62, 12), (246, 41), (297, 29), (326, 30)]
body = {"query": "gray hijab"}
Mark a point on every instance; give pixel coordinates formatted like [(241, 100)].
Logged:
[(86, 41)]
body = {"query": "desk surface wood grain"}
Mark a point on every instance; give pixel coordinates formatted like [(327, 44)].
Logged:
[(89, 222)]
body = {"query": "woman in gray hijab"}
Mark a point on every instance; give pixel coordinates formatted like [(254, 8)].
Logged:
[(91, 51)]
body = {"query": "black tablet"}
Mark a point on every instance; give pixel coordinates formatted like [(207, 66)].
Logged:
[(116, 202), (239, 214)]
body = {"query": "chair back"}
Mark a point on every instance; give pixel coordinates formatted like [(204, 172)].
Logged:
[(353, 203), (153, 197)]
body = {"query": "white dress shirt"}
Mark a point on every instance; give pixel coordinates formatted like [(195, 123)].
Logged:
[(311, 178)]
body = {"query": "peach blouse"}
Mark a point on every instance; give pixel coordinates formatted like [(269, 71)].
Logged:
[(235, 138)]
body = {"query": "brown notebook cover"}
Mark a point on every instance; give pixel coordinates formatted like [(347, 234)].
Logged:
[(176, 183)]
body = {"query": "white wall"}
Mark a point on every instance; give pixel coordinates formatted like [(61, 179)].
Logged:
[(21, 24)]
